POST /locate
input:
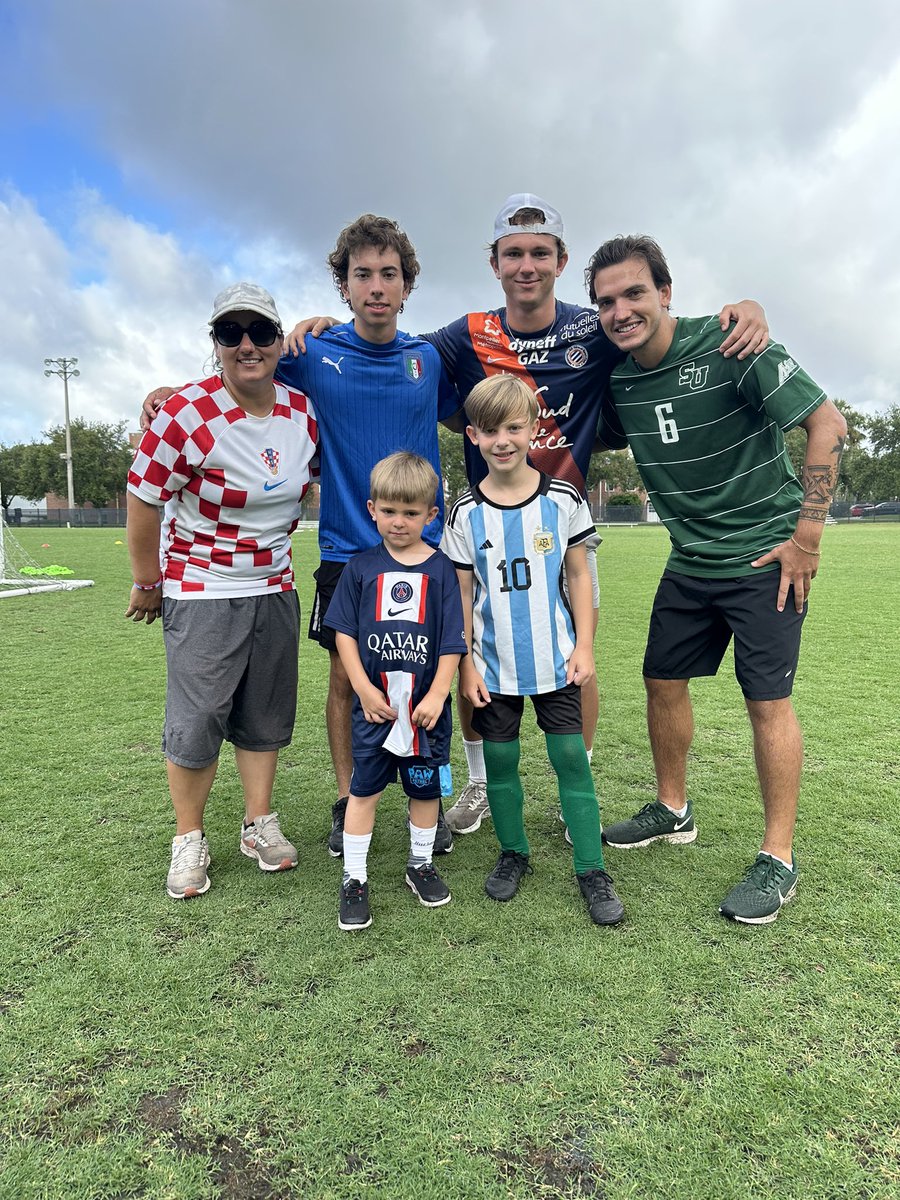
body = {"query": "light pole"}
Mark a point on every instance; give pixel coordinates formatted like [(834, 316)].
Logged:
[(65, 368)]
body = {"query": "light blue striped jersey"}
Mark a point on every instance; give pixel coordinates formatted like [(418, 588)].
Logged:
[(522, 631)]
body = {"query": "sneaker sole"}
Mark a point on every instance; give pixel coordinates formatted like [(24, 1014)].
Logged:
[(674, 839), (335, 853), (284, 865), (427, 903), (767, 919), (188, 893), (352, 928)]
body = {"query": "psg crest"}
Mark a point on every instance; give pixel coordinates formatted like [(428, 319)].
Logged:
[(401, 592)]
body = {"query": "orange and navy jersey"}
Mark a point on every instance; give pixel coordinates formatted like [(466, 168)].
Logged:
[(568, 365)]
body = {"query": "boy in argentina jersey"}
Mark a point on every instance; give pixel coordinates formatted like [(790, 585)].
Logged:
[(509, 538), (707, 437), (398, 623)]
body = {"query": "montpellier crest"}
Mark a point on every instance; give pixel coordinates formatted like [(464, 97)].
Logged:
[(270, 458)]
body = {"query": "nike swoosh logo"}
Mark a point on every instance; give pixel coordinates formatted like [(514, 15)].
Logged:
[(628, 387), (681, 824), (270, 487), (393, 612)]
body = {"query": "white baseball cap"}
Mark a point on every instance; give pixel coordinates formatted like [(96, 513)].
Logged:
[(552, 223), (246, 297)]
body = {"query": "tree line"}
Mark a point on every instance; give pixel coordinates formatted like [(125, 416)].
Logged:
[(101, 456)]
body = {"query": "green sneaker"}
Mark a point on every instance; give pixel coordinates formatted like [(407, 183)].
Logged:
[(758, 898), (654, 823)]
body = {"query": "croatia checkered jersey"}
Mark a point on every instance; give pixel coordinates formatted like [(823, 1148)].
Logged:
[(567, 364), (403, 618), (230, 486), (522, 631), (706, 433), (370, 401)]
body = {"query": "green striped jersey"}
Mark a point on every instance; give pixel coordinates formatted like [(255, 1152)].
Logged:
[(706, 433)]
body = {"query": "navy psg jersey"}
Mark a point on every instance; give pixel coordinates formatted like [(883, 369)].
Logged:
[(568, 365), (403, 619)]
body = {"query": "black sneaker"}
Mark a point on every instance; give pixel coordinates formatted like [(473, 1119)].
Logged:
[(427, 885), (336, 837), (603, 904), (503, 881), (354, 912), (443, 839)]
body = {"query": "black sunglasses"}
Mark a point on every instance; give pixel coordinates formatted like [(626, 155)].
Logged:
[(230, 333)]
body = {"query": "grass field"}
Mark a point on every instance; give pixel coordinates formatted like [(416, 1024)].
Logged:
[(241, 1046)]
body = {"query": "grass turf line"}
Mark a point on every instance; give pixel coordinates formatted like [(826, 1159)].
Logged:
[(241, 1046)]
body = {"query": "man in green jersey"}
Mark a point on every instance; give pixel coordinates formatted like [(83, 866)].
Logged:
[(706, 433)]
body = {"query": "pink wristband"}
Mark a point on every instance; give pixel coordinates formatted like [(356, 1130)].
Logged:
[(148, 587)]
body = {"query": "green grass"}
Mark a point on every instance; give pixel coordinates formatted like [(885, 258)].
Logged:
[(241, 1046)]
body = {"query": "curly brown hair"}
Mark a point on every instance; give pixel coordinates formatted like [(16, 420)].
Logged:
[(364, 233)]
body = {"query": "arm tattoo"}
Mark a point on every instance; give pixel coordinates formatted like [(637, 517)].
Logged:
[(819, 482), (812, 514)]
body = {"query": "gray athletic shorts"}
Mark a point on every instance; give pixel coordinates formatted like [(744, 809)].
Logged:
[(232, 675), (590, 544)]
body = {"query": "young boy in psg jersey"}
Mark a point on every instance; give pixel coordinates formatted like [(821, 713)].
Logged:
[(398, 625), (510, 537)]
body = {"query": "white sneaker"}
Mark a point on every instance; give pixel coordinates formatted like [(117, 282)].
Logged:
[(264, 841), (187, 875), (470, 809)]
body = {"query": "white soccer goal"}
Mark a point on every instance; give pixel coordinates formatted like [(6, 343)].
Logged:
[(20, 575)]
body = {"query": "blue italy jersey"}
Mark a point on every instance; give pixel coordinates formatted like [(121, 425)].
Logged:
[(522, 631), (567, 364), (403, 619), (370, 400)]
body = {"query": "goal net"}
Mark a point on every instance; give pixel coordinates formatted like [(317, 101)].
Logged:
[(20, 575)]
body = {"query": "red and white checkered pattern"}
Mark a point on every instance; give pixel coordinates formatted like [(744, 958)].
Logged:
[(230, 484)]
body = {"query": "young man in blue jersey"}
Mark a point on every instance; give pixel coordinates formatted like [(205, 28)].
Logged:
[(510, 538), (398, 625), (707, 437), (560, 351), (375, 390)]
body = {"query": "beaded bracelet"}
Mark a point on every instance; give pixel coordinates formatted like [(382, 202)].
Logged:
[(148, 587), (811, 553)]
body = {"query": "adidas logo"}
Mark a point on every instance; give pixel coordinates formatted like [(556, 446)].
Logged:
[(486, 545)]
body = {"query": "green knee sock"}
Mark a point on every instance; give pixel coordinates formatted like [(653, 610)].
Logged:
[(577, 798), (505, 796)]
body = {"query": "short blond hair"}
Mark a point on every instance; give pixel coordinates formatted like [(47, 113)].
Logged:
[(500, 398), (404, 478)]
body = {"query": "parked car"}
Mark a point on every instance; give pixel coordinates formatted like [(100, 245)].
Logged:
[(861, 510), (888, 508)]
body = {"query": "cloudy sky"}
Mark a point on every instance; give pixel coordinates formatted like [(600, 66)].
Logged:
[(151, 153)]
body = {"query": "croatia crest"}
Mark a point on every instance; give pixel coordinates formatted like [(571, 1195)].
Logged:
[(270, 458), (415, 367)]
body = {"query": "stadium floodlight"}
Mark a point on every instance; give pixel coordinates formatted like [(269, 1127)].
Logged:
[(65, 368)]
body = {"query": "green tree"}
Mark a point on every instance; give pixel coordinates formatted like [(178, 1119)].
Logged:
[(880, 476), (101, 457), (10, 473), (616, 468), (453, 462)]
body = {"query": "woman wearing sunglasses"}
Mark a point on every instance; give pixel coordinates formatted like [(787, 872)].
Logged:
[(227, 461)]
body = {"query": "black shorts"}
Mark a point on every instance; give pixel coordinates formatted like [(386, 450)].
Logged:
[(556, 712), (420, 778), (693, 621), (326, 578)]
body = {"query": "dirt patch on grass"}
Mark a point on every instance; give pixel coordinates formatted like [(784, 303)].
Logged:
[(564, 1168)]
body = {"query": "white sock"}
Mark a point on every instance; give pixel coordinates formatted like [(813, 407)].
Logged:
[(590, 753), (475, 761), (679, 812), (421, 845), (769, 854), (356, 851), (193, 835)]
